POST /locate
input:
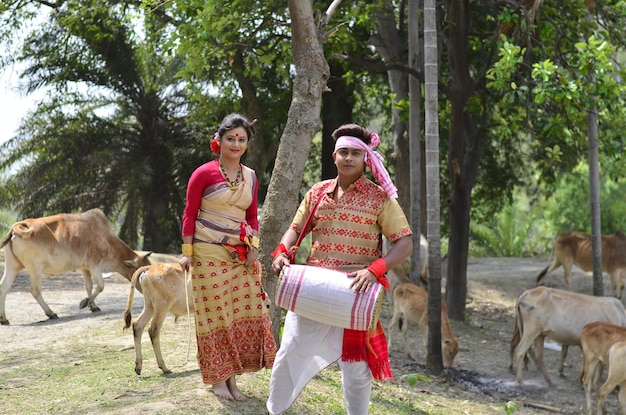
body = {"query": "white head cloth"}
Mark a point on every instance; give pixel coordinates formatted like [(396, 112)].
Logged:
[(374, 161)]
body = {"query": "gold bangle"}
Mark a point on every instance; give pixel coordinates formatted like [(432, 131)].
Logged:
[(187, 250), (254, 242)]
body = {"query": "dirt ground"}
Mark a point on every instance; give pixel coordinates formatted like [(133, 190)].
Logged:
[(480, 368)]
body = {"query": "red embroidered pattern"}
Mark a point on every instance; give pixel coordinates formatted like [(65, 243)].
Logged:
[(347, 233), (233, 329)]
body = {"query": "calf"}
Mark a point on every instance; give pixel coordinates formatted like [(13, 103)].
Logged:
[(164, 291), (616, 377), (400, 274), (411, 305), (574, 248), (596, 340), (561, 315)]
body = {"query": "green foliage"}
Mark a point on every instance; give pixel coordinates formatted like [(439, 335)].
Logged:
[(568, 208), (7, 218), (515, 231), (548, 88), (409, 381), (109, 131), (511, 407)]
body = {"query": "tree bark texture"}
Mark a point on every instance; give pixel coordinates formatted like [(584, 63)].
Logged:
[(303, 123), (390, 43), (337, 106), (465, 151)]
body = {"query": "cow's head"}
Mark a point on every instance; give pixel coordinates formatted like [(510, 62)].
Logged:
[(138, 261)]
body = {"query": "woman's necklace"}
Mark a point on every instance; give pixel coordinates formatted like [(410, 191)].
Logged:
[(234, 185)]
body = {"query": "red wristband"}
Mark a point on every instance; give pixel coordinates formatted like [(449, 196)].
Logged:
[(280, 249), (378, 268)]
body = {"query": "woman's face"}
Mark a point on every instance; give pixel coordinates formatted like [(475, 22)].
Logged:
[(233, 143), (350, 161)]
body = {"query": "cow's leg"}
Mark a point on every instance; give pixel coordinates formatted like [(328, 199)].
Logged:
[(607, 388), (404, 329), (588, 376), (138, 327), (11, 267), (515, 339), (567, 271), (161, 311), (564, 348), (527, 339), (88, 283), (88, 277), (617, 285), (35, 290), (621, 397), (394, 321), (538, 357)]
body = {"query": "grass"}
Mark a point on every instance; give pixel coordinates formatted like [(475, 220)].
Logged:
[(90, 373)]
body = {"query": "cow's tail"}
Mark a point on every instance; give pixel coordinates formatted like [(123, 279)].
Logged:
[(128, 314), (6, 238), (517, 335), (543, 273), (518, 332)]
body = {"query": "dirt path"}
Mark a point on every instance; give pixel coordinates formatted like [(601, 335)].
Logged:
[(481, 366)]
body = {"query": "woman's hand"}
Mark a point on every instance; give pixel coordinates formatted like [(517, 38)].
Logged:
[(279, 262), (251, 256), (363, 280), (185, 262)]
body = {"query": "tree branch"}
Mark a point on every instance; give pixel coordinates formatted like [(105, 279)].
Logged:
[(378, 67)]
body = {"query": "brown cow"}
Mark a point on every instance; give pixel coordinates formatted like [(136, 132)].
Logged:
[(164, 291), (596, 340), (561, 315), (574, 248), (411, 305), (400, 274), (55, 244), (615, 377)]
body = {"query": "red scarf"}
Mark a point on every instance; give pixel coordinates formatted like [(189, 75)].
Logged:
[(369, 346)]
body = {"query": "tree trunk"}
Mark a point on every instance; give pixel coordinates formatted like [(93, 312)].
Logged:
[(465, 151), (303, 123), (336, 110), (594, 200), (257, 155), (415, 152), (390, 44), (434, 360)]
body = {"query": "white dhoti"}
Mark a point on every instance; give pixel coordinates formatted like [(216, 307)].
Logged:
[(307, 347)]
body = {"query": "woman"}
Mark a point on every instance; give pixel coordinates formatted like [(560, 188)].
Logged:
[(220, 245), (346, 234)]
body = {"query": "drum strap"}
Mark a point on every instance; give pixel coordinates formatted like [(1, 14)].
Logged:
[(304, 232)]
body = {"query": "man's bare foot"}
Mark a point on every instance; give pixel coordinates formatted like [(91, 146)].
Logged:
[(232, 387), (222, 391)]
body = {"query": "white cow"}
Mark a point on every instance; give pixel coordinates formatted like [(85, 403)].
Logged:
[(561, 315), (54, 244)]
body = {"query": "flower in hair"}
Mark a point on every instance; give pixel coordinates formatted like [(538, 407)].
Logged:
[(215, 143), (374, 140)]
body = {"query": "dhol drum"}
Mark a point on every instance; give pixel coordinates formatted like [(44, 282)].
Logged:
[(324, 295)]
